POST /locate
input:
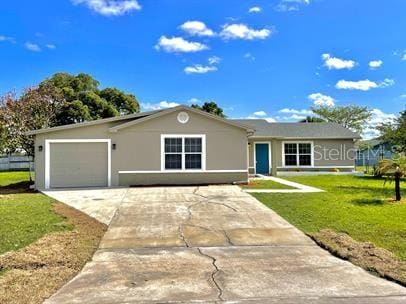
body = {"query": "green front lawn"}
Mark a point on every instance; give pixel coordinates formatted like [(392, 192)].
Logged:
[(25, 216), (265, 184), (358, 206), (7, 178)]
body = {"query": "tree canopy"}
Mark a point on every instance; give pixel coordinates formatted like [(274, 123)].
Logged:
[(352, 116), (83, 100), (395, 132), (35, 109), (59, 100), (210, 107)]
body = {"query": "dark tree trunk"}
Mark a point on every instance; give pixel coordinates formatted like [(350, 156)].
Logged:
[(397, 185)]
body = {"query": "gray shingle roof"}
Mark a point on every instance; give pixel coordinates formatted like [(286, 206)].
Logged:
[(323, 130)]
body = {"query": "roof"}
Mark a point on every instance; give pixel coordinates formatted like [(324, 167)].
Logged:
[(322, 130), (131, 119)]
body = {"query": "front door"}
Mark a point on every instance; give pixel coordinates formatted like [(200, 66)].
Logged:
[(262, 158)]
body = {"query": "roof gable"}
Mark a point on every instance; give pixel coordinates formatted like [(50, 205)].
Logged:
[(174, 109)]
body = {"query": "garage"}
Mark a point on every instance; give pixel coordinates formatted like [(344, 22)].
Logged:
[(71, 163)]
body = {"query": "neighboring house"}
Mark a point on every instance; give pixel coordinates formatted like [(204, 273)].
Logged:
[(372, 151), (183, 145)]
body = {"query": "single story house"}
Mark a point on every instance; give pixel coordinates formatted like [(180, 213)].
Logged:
[(183, 145)]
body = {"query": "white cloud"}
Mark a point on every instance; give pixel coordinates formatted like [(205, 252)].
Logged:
[(374, 64), (294, 117), (110, 7), (296, 112), (362, 85), (7, 39), (199, 69), (321, 100), (242, 31), (260, 113), (255, 9), (268, 119), (386, 83), (51, 46), (194, 100), (249, 56), (214, 60), (378, 117), (337, 63), (290, 5), (197, 28), (158, 106), (32, 47), (402, 96), (179, 45)]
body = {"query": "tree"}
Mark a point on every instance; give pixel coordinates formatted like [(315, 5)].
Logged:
[(59, 100), (395, 132), (393, 169), (352, 117), (84, 100), (312, 119), (210, 107), (35, 109)]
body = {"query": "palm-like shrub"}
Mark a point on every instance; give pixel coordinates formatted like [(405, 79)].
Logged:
[(393, 169)]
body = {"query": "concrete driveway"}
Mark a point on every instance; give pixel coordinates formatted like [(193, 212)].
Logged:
[(208, 245)]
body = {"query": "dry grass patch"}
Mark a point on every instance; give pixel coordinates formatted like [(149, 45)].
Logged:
[(33, 273), (364, 254)]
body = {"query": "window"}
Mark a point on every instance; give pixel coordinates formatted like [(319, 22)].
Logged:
[(297, 154), (183, 152)]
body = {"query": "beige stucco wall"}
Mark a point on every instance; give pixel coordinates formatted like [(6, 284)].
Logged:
[(328, 153), (138, 147)]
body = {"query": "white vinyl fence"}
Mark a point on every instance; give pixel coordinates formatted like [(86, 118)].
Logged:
[(15, 162)]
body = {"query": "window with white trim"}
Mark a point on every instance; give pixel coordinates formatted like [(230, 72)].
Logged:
[(183, 152), (297, 154)]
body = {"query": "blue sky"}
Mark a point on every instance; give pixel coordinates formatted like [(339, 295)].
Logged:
[(270, 59)]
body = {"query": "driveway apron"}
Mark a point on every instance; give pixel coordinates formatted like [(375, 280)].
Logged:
[(208, 245)]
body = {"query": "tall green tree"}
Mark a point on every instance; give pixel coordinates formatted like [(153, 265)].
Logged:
[(395, 132), (352, 116), (59, 100), (84, 100), (210, 107)]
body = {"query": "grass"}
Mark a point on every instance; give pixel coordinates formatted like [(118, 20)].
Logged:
[(8, 178), (265, 184), (47, 242), (357, 206), (25, 215)]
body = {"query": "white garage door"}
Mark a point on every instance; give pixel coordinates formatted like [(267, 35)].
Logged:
[(78, 164)]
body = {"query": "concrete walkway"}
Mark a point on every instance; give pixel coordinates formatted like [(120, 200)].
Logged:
[(299, 188), (208, 245)]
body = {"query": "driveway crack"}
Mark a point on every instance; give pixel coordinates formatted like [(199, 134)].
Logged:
[(214, 273), (182, 235)]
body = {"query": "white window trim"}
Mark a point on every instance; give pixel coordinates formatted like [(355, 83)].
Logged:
[(297, 155), (269, 155), (48, 143), (183, 136)]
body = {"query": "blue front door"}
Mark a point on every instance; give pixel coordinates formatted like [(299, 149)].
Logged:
[(262, 158)]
